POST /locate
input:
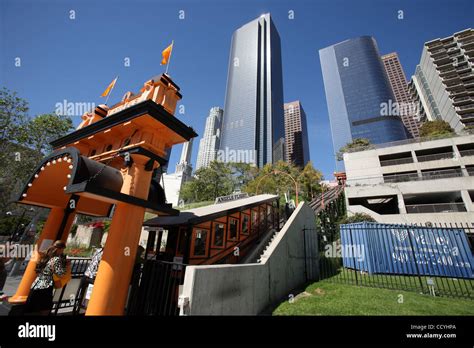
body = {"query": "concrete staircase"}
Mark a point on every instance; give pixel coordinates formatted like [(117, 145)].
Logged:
[(255, 255), (317, 204), (323, 199), (269, 241)]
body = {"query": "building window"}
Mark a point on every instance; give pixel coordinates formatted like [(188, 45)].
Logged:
[(219, 233), (245, 224), (233, 228), (199, 242)]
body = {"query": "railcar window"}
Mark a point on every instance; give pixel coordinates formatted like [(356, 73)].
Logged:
[(200, 239), (219, 230), (245, 224), (233, 228)]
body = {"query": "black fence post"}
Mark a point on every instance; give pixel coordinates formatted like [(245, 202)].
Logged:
[(431, 260), (355, 266)]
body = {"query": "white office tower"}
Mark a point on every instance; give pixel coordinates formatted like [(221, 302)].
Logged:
[(209, 144), (173, 182), (443, 84)]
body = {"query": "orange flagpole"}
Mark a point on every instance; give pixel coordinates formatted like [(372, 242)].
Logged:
[(108, 95), (169, 59)]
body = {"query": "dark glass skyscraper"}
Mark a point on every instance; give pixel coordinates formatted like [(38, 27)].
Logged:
[(359, 94), (253, 123), (296, 134)]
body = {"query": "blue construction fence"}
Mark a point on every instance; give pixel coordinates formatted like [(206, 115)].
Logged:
[(377, 248)]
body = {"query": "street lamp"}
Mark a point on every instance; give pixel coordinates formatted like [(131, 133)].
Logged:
[(276, 171)]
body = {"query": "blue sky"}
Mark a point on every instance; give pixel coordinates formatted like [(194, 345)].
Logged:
[(75, 59)]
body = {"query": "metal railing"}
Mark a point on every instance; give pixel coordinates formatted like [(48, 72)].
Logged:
[(400, 178), (465, 107), (435, 208), (467, 41), (78, 267), (441, 174), (462, 99), (466, 74), (465, 153), (155, 288), (407, 177), (394, 162), (428, 175), (433, 260), (325, 198), (435, 157)]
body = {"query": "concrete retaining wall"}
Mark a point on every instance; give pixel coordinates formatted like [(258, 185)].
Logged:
[(86, 236), (248, 289)]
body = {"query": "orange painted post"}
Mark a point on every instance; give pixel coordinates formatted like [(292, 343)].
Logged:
[(50, 231), (115, 270)]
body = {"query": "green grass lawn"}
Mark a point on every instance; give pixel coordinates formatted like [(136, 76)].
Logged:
[(329, 298), (450, 287), (195, 205)]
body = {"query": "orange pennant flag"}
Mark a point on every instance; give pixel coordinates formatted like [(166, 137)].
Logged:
[(166, 54), (109, 88)]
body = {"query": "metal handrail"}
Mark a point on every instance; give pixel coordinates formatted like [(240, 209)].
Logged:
[(467, 152), (435, 156), (401, 178), (392, 162), (434, 175), (431, 175), (435, 208), (465, 107)]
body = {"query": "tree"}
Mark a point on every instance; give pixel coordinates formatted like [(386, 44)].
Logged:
[(274, 179), (309, 180), (280, 178), (356, 144), (44, 128), (209, 183), (24, 142), (220, 179), (13, 119), (435, 129), (242, 174), (357, 217)]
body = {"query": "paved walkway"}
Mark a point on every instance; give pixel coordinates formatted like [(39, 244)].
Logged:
[(9, 290), (11, 285)]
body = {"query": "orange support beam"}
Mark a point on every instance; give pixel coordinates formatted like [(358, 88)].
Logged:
[(115, 270), (50, 231)]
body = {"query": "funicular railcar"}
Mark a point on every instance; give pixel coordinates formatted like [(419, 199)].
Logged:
[(223, 233)]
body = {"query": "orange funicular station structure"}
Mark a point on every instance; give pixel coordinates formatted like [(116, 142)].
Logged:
[(108, 162)]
